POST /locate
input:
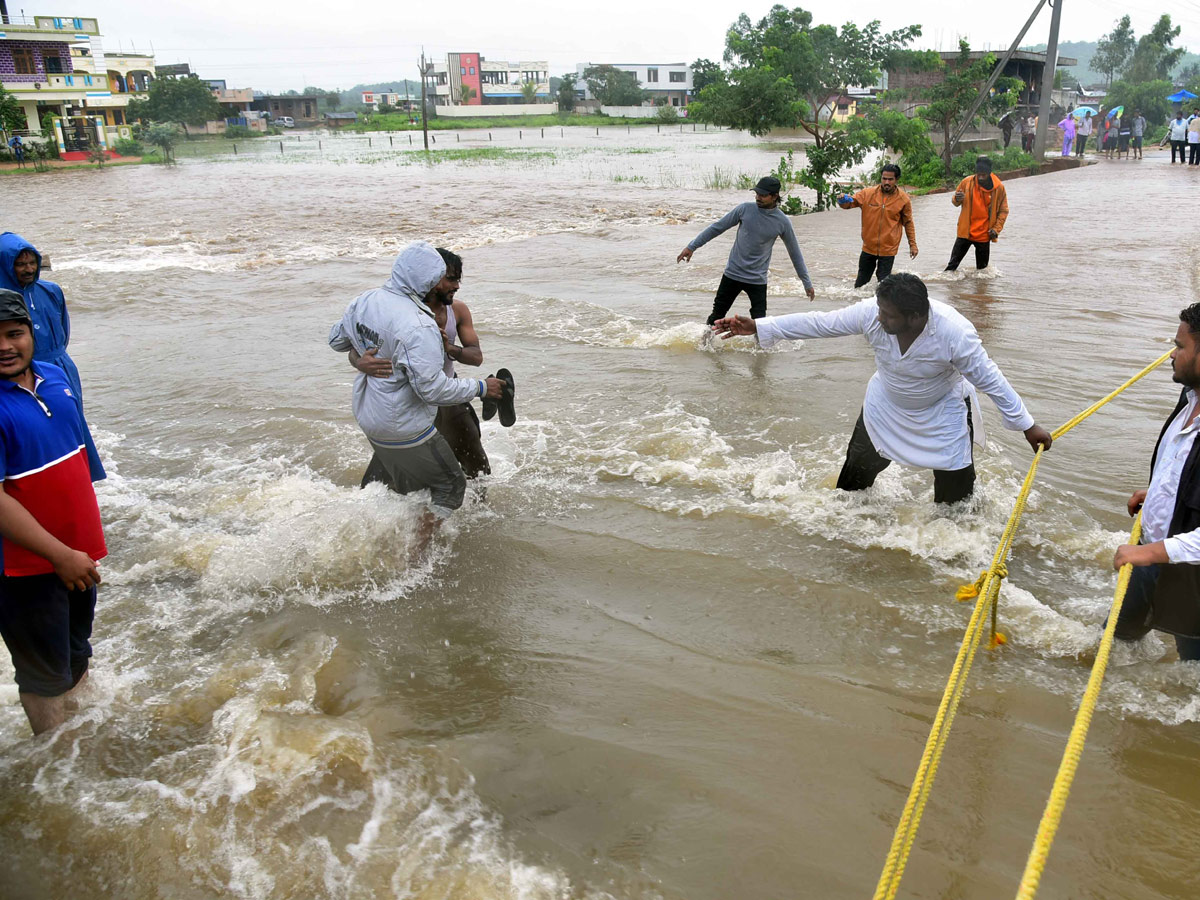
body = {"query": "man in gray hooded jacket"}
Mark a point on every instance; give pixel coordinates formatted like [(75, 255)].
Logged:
[(397, 413)]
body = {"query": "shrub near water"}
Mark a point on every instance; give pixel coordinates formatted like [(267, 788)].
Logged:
[(129, 147)]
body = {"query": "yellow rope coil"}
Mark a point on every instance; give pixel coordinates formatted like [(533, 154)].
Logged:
[(987, 589), (1074, 749)]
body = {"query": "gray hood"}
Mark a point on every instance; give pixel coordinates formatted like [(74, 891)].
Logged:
[(416, 270)]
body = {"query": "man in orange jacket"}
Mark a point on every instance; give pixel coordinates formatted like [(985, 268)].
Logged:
[(886, 209), (984, 208)]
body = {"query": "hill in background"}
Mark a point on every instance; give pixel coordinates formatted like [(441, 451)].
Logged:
[(1083, 50)]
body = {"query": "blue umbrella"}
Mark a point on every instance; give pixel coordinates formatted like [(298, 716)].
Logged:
[(1182, 95), (1115, 111), (1080, 111)]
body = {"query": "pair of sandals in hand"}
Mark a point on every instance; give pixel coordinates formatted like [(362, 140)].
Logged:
[(505, 405)]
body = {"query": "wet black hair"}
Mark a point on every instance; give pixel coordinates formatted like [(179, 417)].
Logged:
[(1191, 317), (891, 167), (906, 292), (985, 161), (453, 262)]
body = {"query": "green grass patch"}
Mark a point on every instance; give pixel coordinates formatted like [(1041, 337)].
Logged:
[(399, 122), (473, 154)]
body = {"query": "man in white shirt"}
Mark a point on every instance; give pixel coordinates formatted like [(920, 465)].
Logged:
[(918, 407), (1164, 590)]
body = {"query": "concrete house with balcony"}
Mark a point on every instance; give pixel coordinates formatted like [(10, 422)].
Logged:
[(37, 66), (128, 74)]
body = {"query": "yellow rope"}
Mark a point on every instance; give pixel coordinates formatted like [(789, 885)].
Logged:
[(987, 589), (1074, 749)]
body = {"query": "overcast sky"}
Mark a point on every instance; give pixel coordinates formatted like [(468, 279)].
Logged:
[(274, 45)]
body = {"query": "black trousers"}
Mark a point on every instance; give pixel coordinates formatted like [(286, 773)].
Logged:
[(983, 252), (1136, 610), (869, 265), (1080, 144), (727, 292), (1194, 154), (863, 465), (1181, 147)]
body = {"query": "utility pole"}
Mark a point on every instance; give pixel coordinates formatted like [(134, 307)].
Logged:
[(999, 70), (1048, 70), (424, 120)]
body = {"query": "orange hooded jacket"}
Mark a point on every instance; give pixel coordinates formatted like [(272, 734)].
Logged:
[(997, 209)]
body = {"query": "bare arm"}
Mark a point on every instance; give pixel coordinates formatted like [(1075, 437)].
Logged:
[(470, 353), (76, 569), (370, 364)]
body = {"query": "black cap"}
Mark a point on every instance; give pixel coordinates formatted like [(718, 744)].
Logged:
[(768, 185), (12, 307)]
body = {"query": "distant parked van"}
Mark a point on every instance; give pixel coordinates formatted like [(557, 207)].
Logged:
[(285, 122)]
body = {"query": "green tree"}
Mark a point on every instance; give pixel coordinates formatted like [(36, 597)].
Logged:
[(529, 92), (182, 101), (666, 113), (784, 68), (704, 73), (164, 136), (1114, 50), (12, 117), (613, 86), (948, 100), (566, 93), (1149, 96), (1154, 57), (465, 94), (333, 100)]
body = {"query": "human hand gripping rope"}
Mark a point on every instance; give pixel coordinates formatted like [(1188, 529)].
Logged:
[(986, 589)]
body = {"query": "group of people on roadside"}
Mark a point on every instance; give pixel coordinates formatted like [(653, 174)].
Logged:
[(1184, 135), (1117, 134), (406, 338)]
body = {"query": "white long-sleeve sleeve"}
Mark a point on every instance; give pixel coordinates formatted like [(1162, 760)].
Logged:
[(848, 320), (974, 364)]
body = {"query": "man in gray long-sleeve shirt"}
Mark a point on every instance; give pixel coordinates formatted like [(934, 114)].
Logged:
[(759, 224)]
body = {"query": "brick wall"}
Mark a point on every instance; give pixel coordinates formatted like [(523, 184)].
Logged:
[(41, 49)]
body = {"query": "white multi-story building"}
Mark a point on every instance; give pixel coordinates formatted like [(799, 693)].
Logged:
[(669, 82), (376, 99)]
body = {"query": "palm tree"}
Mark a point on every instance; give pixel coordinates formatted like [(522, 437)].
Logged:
[(466, 94), (529, 91)]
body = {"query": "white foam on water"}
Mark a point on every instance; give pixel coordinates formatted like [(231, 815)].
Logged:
[(582, 322), (275, 794)]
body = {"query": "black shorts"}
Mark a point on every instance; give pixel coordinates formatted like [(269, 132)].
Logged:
[(47, 628)]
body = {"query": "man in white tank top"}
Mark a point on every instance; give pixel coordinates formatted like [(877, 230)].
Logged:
[(459, 425)]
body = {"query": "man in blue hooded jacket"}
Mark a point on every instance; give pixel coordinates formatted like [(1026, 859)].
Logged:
[(20, 271)]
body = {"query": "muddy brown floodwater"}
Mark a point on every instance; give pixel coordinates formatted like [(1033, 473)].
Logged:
[(663, 658)]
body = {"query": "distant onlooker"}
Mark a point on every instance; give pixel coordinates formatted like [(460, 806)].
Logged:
[(1067, 126), (1139, 131), (1177, 133), (1006, 129), (1193, 140), (1124, 131), (1082, 132), (17, 146), (1030, 133)]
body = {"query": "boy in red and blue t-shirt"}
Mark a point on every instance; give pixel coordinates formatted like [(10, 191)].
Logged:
[(49, 522)]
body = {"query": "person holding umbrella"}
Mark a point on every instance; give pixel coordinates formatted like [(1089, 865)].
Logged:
[(1083, 131)]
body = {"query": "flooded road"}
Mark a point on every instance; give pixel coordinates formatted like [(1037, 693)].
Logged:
[(663, 658)]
